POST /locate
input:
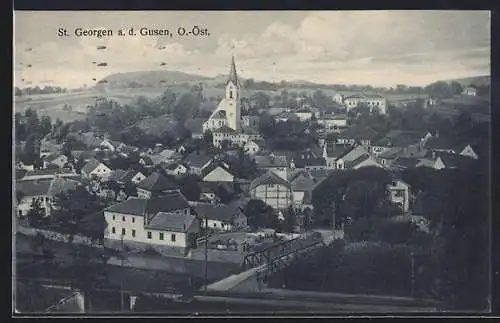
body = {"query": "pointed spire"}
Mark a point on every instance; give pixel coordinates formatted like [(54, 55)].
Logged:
[(232, 73)]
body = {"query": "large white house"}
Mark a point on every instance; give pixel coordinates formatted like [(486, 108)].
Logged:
[(160, 222), (372, 101), (399, 194), (220, 217), (94, 168)]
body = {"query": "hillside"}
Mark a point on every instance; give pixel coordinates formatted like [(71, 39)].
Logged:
[(149, 79), (474, 80)]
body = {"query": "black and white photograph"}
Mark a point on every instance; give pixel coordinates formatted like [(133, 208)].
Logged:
[(257, 163)]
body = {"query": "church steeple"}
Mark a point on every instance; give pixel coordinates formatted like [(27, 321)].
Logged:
[(233, 77)]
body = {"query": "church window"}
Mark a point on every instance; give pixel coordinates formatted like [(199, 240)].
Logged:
[(230, 94)]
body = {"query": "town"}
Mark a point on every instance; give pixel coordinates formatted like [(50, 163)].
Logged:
[(297, 193)]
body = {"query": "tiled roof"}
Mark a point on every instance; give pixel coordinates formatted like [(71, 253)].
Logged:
[(405, 162), (219, 212), (48, 171), (197, 160), (170, 222), (91, 165), (156, 183), (391, 153), (357, 161), (455, 160), (270, 161), (116, 175), (358, 133), (334, 151), (141, 207), (52, 157), (399, 138), (440, 143), (221, 114), (268, 178)]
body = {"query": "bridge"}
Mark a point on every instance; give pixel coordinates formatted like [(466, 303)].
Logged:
[(261, 263)]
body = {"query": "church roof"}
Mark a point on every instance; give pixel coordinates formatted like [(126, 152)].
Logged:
[(233, 77)]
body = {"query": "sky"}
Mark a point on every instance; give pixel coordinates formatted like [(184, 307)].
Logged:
[(380, 48)]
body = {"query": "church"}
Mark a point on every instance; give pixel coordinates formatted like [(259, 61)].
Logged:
[(226, 122)]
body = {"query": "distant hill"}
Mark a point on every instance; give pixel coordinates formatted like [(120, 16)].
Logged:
[(474, 80), (148, 79)]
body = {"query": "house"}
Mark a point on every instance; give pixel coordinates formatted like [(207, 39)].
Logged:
[(400, 139), (39, 174), (250, 121), (83, 155), (218, 174), (332, 152), (364, 160), (208, 192), (372, 101), (338, 98), (356, 134), (304, 114), (402, 163), (399, 194), (446, 145), (155, 185), (197, 161), (276, 163), (94, 168), (470, 91), (286, 116), (333, 122), (254, 146), (447, 160), (195, 127), (220, 217), (388, 156), (158, 222), (55, 159), (124, 177), (110, 145), (48, 147), (166, 156), (44, 191), (177, 169), (308, 159), (352, 157), (302, 187), (272, 190)]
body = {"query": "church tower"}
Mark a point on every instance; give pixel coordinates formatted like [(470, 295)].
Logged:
[(233, 108)]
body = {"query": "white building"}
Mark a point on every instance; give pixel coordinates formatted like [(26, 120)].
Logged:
[(470, 91), (272, 190), (219, 174), (333, 122), (160, 222), (372, 101), (94, 168), (220, 217)]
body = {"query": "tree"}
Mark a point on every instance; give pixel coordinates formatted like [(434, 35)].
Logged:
[(259, 214), (36, 213), (45, 126), (290, 220), (456, 88)]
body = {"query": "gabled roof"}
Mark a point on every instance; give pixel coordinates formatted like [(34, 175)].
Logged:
[(358, 133), (156, 183), (52, 157), (116, 175), (221, 114), (308, 158), (141, 207), (392, 152), (48, 171), (455, 160), (218, 212), (128, 175), (268, 178), (439, 143), (91, 165), (169, 221), (405, 162), (196, 159), (335, 151), (357, 161)]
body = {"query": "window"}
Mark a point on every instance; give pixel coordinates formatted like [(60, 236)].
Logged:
[(161, 235), (113, 217), (123, 218), (113, 230), (172, 238), (149, 234), (215, 224), (20, 212), (133, 233), (186, 211), (133, 220), (230, 94), (123, 231)]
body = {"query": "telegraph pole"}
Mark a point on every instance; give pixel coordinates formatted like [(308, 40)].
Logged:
[(121, 276), (206, 254), (412, 273)]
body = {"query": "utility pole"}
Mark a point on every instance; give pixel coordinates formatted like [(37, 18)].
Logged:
[(412, 273), (121, 275), (206, 254)]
